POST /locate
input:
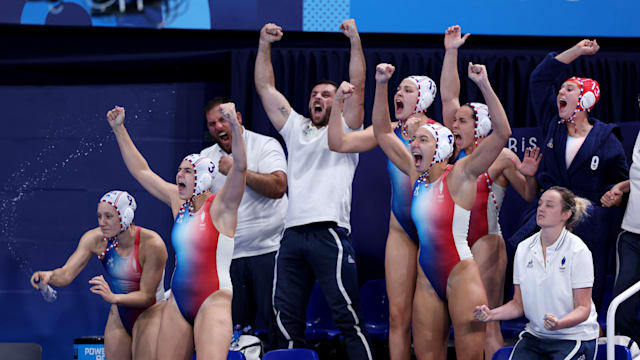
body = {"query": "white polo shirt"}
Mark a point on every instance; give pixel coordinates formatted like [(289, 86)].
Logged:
[(631, 220), (319, 179), (260, 219), (547, 288)]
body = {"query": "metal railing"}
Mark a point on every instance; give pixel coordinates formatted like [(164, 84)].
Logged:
[(611, 317)]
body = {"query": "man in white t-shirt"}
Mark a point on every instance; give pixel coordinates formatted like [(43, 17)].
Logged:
[(628, 248), (316, 244), (260, 217)]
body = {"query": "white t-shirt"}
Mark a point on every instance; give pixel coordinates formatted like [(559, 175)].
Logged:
[(319, 179), (549, 289), (260, 219), (631, 221), (573, 146)]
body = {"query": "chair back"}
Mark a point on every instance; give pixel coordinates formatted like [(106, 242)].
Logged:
[(503, 354), (291, 354)]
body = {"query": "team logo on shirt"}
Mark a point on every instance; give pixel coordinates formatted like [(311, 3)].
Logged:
[(563, 263), (350, 259), (530, 264), (550, 143)]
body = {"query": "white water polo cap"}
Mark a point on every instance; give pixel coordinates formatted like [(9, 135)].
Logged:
[(124, 204), (444, 142), (203, 168), (426, 92), (482, 120)]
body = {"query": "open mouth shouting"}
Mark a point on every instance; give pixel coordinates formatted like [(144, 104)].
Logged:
[(316, 109), (457, 139), (223, 136), (417, 159), (399, 106), (562, 103)]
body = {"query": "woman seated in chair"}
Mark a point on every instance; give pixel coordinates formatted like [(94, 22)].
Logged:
[(552, 281)]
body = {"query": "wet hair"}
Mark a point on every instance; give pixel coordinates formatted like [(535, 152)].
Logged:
[(325, 81), (215, 102), (570, 202)]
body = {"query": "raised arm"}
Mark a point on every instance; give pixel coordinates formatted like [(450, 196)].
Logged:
[(542, 79), (449, 80), (511, 310), (354, 105), (152, 262), (487, 152), (137, 165), (275, 104), (393, 147), (521, 174), (584, 47), (77, 261), (224, 209), (353, 142)]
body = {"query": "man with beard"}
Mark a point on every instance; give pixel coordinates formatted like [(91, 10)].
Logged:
[(316, 244), (260, 217)]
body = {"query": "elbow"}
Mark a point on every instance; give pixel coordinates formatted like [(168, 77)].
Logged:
[(280, 189), (505, 131), (333, 144), (279, 193), (149, 299)]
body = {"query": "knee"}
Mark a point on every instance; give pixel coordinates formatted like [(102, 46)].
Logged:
[(400, 316)]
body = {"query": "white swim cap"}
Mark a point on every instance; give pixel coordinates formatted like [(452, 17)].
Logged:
[(204, 172), (426, 92), (482, 118), (124, 204), (444, 142)]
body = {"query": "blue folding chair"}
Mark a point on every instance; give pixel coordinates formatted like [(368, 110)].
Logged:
[(319, 322), (232, 355), (291, 354), (503, 353), (511, 329), (235, 355), (375, 308), (621, 352)]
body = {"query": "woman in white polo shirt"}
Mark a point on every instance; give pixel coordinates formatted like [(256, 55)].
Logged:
[(553, 278)]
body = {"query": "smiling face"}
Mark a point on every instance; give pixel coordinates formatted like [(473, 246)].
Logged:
[(220, 129), (108, 220), (185, 179), (567, 99), (463, 127), (423, 148), (320, 102), (550, 212), (405, 99)]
